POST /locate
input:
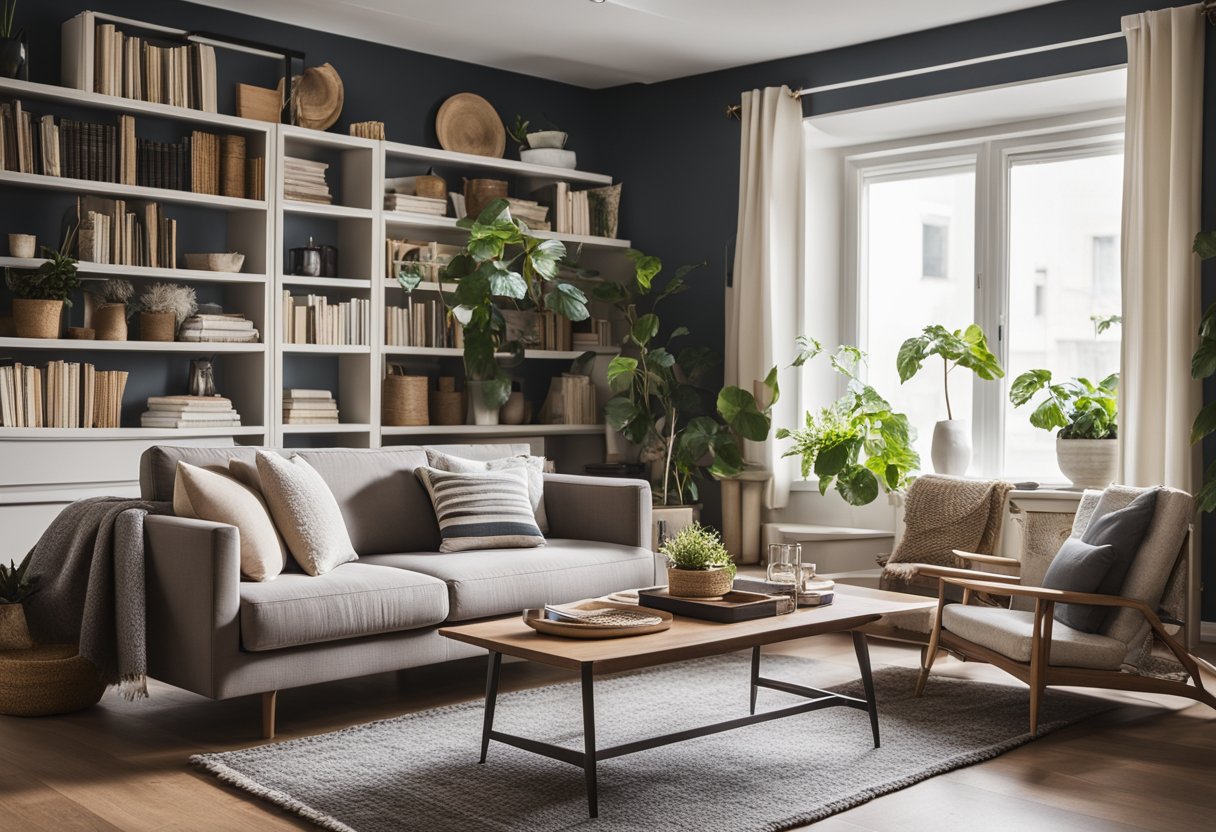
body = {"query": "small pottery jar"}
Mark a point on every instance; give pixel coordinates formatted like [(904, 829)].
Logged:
[(515, 410), (22, 245)]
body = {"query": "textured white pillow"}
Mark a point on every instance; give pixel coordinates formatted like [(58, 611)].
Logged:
[(305, 512), (201, 494), (534, 467)]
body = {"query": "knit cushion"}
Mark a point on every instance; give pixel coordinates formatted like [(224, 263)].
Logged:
[(488, 510), (305, 512), (533, 465), (200, 494)]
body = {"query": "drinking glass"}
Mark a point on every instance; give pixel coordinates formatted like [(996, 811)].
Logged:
[(785, 568)]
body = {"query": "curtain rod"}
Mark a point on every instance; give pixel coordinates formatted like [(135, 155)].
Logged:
[(1207, 8)]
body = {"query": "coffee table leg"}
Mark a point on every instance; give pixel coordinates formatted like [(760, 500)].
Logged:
[(495, 665), (589, 742), (755, 675), (867, 680)]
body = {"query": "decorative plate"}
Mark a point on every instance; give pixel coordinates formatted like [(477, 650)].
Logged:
[(467, 123)]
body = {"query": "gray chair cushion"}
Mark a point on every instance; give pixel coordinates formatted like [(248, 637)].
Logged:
[(1080, 567), (504, 581), (354, 599), (1008, 632)]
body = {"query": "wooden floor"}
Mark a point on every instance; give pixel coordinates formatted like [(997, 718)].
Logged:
[(1148, 764)]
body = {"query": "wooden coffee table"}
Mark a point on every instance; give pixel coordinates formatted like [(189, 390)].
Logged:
[(688, 638)]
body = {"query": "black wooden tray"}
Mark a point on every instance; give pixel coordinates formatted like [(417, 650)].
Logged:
[(732, 607)]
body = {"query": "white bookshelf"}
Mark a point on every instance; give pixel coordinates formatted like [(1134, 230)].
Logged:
[(446, 226), (495, 430), (102, 271), (36, 181)]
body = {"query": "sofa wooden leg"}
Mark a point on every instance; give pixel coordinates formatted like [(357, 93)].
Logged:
[(269, 699)]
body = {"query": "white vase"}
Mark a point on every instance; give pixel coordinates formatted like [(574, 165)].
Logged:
[(480, 413), (1088, 463), (952, 447)]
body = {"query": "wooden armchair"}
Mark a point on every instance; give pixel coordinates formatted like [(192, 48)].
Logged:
[(1025, 641)]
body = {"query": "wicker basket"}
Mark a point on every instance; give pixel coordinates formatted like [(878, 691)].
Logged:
[(479, 193), (447, 405), (110, 321), (699, 583), (47, 679), (14, 634), (404, 399), (157, 326), (37, 318)]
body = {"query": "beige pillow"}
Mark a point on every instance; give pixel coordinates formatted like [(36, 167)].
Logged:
[(305, 512), (206, 495), (245, 471), (533, 466)]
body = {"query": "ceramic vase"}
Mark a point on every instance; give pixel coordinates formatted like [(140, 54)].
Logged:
[(1088, 463), (951, 447), (480, 413)]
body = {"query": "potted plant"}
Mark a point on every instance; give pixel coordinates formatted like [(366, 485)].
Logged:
[(39, 296), (12, 46), (966, 348), (859, 443), (501, 261), (163, 308), (1086, 414), (698, 565), (110, 299), (1203, 364), (15, 587), (541, 147)]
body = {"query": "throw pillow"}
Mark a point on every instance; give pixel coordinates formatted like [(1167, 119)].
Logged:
[(245, 471), (534, 465), (305, 512), (485, 510), (206, 495), (1124, 531), (1081, 567)]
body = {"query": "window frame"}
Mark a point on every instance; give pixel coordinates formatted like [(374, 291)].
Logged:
[(992, 154)]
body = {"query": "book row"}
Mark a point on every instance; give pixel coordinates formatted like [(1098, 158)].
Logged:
[(315, 319), (64, 394)]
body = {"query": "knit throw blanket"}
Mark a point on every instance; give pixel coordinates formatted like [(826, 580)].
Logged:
[(90, 569), (946, 513)]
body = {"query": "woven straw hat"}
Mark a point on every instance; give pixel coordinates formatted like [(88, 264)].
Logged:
[(467, 123), (317, 97)]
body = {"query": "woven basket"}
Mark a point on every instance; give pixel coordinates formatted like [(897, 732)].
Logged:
[(404, 399), (110, 322), (47, 679), (699, 583), (37, 318), (14, 634), (447, 406), (479, 193), (157, 326)]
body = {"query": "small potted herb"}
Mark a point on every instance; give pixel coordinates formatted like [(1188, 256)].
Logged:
[(110, 299), (163, 307), (542, 147), (698, 565), (15, 587), (39, 296)]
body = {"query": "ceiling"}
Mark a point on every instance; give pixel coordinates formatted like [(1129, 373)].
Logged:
[(599, 45)]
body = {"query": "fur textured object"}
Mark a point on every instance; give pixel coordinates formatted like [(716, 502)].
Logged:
[(182, 301)]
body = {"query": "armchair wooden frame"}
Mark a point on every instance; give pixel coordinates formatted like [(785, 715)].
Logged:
[(1039, 673)]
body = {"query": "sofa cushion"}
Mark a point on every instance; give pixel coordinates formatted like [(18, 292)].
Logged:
[(486, 510), (354, 599), (504, 581), (1008, 632), (201, 494), (1080, 567), (305, 513), (534, 466)]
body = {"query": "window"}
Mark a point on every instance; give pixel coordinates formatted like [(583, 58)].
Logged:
[(1020, 235)]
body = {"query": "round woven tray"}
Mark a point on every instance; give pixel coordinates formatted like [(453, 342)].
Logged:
[(47, 679)]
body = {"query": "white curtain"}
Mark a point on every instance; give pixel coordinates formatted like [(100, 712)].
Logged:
[(1161, 301), (764, 297)]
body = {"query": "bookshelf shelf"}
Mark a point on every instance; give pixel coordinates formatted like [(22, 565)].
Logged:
[(552, 355), (128, 433), (424, 286), (446, 158), (304, 282), (327, 211), (495, 430), (326, 349), (107, 270), (338, 428), (113, 189), (404, 220), (66, 344)]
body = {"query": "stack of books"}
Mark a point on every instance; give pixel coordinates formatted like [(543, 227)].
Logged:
[(416, 204), (570, 210), (304, 181), (63, 395), (571, 401), (535, 215), (313, 319), (309, 407), (189, 412), (599, 336), (228, 328)]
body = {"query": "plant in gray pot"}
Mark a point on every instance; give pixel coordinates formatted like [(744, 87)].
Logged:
[(1087, 447), (698, 565), (13, 53), (967, 348)]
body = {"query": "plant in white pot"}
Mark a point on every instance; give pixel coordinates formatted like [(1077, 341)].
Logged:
[(15, 587), (1086, 414), (698, 565), (967, 348)]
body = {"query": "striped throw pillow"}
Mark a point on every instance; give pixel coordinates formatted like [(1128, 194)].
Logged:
[(484, 510)]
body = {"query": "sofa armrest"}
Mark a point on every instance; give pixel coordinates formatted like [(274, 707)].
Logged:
[(193, 573), (606, 509)]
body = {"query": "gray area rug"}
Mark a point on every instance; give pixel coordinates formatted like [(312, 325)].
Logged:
[(420, 771)]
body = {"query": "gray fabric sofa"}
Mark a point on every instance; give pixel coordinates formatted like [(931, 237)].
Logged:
[(214, 634)]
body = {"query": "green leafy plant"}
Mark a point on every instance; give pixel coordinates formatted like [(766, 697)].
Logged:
[(502, 261), (966, 348), (15, 584), (6, 19), (859, 443), (55, 279), (1078, 407), (657, 394), (1105, 322), (697, 547), (519, 131), (1203, 364)]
